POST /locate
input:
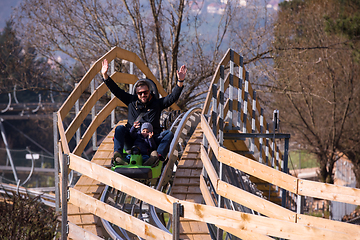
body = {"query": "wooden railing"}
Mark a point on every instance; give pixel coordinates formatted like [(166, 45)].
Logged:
[(239, 223), (283, 180), (80, 88), (223, 114), (241, 111)]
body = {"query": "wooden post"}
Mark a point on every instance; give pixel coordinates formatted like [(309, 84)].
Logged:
[(112, 70), (77, 110), (261, 140), (231, 90), (93, 114), (240, 97), (246, 94)]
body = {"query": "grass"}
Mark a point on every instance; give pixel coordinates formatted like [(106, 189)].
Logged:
[(306, 159)]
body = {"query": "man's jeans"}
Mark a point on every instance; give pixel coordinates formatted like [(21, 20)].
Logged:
[(123, 140)]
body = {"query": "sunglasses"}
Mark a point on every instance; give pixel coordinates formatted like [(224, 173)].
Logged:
[(143, 92)]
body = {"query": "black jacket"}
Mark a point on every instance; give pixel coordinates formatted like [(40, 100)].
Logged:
[(151, 109)]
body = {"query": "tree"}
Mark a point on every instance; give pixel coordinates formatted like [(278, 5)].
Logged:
[(347, 24), (162, 33), (317, 84), (19, 65)]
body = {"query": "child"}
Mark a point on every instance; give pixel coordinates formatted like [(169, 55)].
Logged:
[(143, 140)]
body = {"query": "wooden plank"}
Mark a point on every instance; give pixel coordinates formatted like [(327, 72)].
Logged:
[(254, 202), (90, 228), (76, 232), (210, 136), (202, 237), (259, 224), (307, 220), (85, 81), (194, 198), (190, 163), (185, 227), (100, 117), (85, 110), (258, 170), (188, 155), (329, 191), (243, 234), (120, 218), (214, 178), (122, 183), (88, 219), (214, 80), (63, 140)]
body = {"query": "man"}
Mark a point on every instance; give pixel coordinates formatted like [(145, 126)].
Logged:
[(143, 106)]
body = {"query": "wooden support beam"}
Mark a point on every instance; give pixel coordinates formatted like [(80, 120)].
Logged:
[(329, 191), (258, 170), (214, 144), (245, 198), (254, 202), (258, 224), (243, 234), (116, 216), (76, 232), (64, 142), (214, 178), (122, 183), (100, 117), (319, 222)]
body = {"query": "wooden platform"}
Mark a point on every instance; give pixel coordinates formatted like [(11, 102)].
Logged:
[(186, 186)]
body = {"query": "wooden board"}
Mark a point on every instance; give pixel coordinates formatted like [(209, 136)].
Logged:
[(186, 186)]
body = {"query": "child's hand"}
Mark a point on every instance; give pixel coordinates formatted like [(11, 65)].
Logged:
[(151, 134), (136, 124)]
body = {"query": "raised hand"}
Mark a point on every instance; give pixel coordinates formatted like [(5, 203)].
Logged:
[(181, 73), (104, 69), (137, 124)]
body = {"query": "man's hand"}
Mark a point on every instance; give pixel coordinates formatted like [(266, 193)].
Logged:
[(151, 134), (181, 73), (104, 69), (137, 124)]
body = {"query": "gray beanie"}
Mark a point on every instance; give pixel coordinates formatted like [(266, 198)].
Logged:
[(148, 126)]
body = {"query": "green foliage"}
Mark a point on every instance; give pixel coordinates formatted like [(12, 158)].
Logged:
[(306, 159), (348, 21), (23, 217), (21, 66)]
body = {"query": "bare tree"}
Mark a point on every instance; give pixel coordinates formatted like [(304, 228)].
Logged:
[(163, 33), (317, 80)]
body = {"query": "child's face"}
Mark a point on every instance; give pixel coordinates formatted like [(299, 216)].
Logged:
[(145, 132)]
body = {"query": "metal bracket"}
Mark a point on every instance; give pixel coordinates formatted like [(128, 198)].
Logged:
[(68, 160), (181, 210), (68, 194)]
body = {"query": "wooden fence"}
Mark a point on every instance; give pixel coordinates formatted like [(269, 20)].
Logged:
[(277, 222)]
